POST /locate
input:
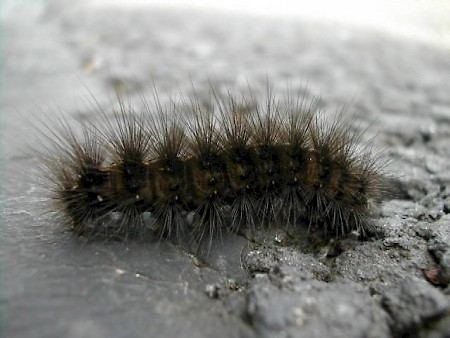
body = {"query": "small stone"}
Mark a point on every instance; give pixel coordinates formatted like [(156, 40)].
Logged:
[(444, 266), (212, 290)]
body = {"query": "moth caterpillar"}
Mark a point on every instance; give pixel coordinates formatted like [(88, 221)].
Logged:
[(201, 167)]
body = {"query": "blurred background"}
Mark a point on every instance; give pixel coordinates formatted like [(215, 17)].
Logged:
[(417, 19), (138, 40)]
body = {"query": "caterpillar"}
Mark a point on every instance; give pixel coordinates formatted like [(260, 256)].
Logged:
[(199, 167)]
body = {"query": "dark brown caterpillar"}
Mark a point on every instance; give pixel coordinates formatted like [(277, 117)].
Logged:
[(229, 163)]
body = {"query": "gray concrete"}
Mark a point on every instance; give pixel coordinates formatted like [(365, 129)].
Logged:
[(55, 284)]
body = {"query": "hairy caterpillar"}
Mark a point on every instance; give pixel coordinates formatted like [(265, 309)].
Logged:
[(223, 164)]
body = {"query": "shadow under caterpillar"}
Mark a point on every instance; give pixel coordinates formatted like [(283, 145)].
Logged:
[(225, 163)]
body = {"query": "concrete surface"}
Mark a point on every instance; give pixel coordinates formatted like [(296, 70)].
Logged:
[(55, 284)]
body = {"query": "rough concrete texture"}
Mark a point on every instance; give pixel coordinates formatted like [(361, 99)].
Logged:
[(309, 308), (428, 305), (55, 284)]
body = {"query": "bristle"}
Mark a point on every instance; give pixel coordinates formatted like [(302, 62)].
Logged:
[(233, 162), (75, 169)]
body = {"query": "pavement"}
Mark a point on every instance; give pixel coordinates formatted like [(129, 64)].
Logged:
[(56, 284)]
